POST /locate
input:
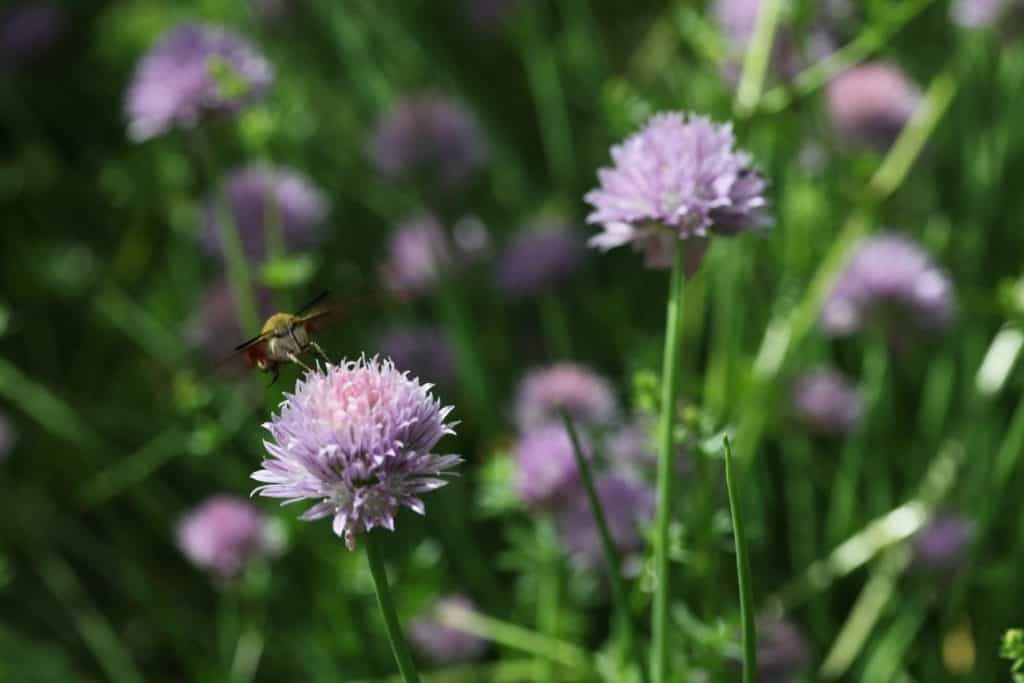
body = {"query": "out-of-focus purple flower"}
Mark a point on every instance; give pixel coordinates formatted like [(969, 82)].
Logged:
[(546, 465), (941, 545), (678, 178), (421, 350), (982, 13), (628, 505), (782, 651), (223, 534), (8, 436), (442, 644), (538, 260), (826, 403), (215, 328), (261, 197), (431, 136), (892, 281), (417, 255), (471, 239), (27, 31), (588, 397), (490, 15), (270, 11), (870, 103), (357, 439), (195, 71)]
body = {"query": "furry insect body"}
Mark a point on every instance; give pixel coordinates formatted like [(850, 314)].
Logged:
[(283, 338)]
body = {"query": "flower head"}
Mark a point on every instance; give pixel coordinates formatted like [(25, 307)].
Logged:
[(417, 255), (424, 351), (195, 71), (8, 436), (628, 505), (223, 534), (678, 178), (982, 13), (889, 279), (941, 545), (261, 197), (356, 438), (870, 104), (442, 644), (27, 31), (546, 465), (428, 135), (588, 397), (782, 651), (825, 403), (216, 319), (538, 260)]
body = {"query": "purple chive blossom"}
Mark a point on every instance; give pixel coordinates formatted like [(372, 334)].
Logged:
[(782, 651), (421, 350), (269, 11), (982, 13), (538, 260), (490, 15), (678, 178), (892, 281), (223, 534), (442, 644), (628, 505), (826, 403), (428, 136), (871, 103), (941, 545), (261, 197), (27, 31), (195, 71), (215, 328), (8, 436), (588, 397), (546, 464), (356, 439), (418, 253)]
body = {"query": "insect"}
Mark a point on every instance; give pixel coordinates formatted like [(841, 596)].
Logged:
[(285, 337)]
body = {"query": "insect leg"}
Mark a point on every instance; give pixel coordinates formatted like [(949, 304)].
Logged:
[(277, 373), (316, 347), (295, 359)]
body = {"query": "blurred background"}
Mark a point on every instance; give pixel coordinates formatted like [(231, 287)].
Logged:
[(173, 172)]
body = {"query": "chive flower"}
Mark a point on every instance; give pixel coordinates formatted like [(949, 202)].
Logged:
[(869, 104), (890, 281), (262, 198), (825, 403), (356, 439), (442, 644), (942, 544), (538, 260), (418, 254), (680, 177), (223, 534), (588, 397), (194, 72), (628, 505), (28, 31), (546, 467), (421, 350)]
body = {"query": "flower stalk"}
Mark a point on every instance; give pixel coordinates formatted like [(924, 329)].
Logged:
[(742, 571), (669, 393), (387, 609)]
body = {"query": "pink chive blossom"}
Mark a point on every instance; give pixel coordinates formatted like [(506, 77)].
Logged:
[(546, 467), (628, 506), (356, 439), (588, 397), (442, 644), (418, 253), (195, 71), (223, 534), (870, 104), (537, 260), (826, 403), (679, 177)]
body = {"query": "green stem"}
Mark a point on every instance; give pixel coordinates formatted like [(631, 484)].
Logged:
[(669, 391), (549, 590), (742, 571), (387, 610), (611, 553), (755, 66)]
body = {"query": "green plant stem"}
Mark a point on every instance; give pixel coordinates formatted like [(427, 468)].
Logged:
[(549, 589), (759, 54), (742, 571), (611, 553), (669, 392), (387, 610)]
